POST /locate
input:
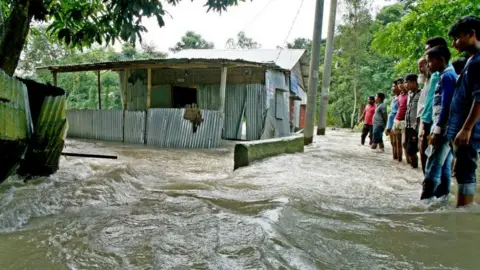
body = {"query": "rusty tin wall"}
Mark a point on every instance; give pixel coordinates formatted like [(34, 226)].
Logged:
[(167, 128)]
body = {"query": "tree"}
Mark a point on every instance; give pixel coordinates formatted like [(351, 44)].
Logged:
[(302, 43), (242, 42), (405, 40), (192, 40), (80, 24), (81, 86), (390, 14), (358, 71)]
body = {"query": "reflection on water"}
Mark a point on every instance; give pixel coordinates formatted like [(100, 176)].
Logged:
[(336, 206)]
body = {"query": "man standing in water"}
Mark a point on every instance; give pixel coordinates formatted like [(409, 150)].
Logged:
[(438, 173), (391, 119), (399, 124), (411, 124), (427, 113), (423, 78), (464, 124), (379, 122), (367, 115)]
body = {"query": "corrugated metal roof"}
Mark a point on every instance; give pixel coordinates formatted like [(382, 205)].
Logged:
[(169, 62), (284, 58)]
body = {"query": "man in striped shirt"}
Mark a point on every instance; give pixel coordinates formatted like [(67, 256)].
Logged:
[(411, 123)]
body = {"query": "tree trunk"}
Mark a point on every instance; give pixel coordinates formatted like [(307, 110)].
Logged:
[(352, 121), (13, 38)]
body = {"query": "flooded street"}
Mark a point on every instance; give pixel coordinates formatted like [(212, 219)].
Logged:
[(336, 206)]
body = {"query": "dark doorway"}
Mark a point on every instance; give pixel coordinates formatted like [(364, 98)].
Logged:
[(183, 96)]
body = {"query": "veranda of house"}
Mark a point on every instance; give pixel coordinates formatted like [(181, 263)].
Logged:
[(261, 91)]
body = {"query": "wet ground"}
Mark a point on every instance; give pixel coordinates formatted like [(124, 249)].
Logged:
[(336, 206)]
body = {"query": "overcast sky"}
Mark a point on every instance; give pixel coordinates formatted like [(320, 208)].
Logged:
[(266, 21)]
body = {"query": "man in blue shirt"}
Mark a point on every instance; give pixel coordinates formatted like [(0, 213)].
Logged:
[(464, 124), (426, 116), (438, 172), (391, 118)]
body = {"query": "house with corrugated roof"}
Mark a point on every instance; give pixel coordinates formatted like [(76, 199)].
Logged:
[(195, 98)]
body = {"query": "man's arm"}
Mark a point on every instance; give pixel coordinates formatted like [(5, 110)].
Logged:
[(391, 116), (448, 89), (463, 137), (384, 114), (363, 116)]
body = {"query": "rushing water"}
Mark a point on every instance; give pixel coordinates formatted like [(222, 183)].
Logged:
[(336, 206)]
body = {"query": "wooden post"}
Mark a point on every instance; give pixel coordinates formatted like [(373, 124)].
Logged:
[(149, 103), (99, 91), (149, 88), (125, 85), (223, 86), (125, 95), (54, 74)]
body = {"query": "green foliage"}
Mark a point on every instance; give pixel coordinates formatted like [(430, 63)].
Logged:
[(302, 43), (358, 72), (390, 14), (405, 40), (83, 23), (242, 42), (192, 40), (82, 86)]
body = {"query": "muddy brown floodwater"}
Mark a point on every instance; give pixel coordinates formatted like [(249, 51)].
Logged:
[(336, 206)]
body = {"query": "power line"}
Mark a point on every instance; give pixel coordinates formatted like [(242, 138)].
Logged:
[(291, 27), (258, 14)]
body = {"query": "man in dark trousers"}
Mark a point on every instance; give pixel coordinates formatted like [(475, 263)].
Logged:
[(367, 115), (464, 120)]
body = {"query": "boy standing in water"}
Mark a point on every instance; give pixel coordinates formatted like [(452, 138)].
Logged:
[(399, 124), (367, 115), (411, 123), (438, 171), (379, 122), (423, 78), (464, 121), (391, 119)]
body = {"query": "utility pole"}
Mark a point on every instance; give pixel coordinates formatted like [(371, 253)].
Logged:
[(327, 70), (313, 74)]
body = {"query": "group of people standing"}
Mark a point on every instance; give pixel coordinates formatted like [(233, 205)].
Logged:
[(437, 113)]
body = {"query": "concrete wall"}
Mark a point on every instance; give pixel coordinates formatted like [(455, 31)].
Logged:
[(248, 152)]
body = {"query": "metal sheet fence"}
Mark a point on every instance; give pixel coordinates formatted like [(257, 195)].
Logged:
[(235, 96), (96, 125), (255, 110), (135, 127), (167, 128)]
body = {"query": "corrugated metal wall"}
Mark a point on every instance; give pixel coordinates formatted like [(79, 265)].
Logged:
[(277, 92), (235, 96), (80, 124), (135, 127), (15, 118), (97, 125), (167, 128), (107, 125), (255, 110), (244, 100), (208, 96)]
